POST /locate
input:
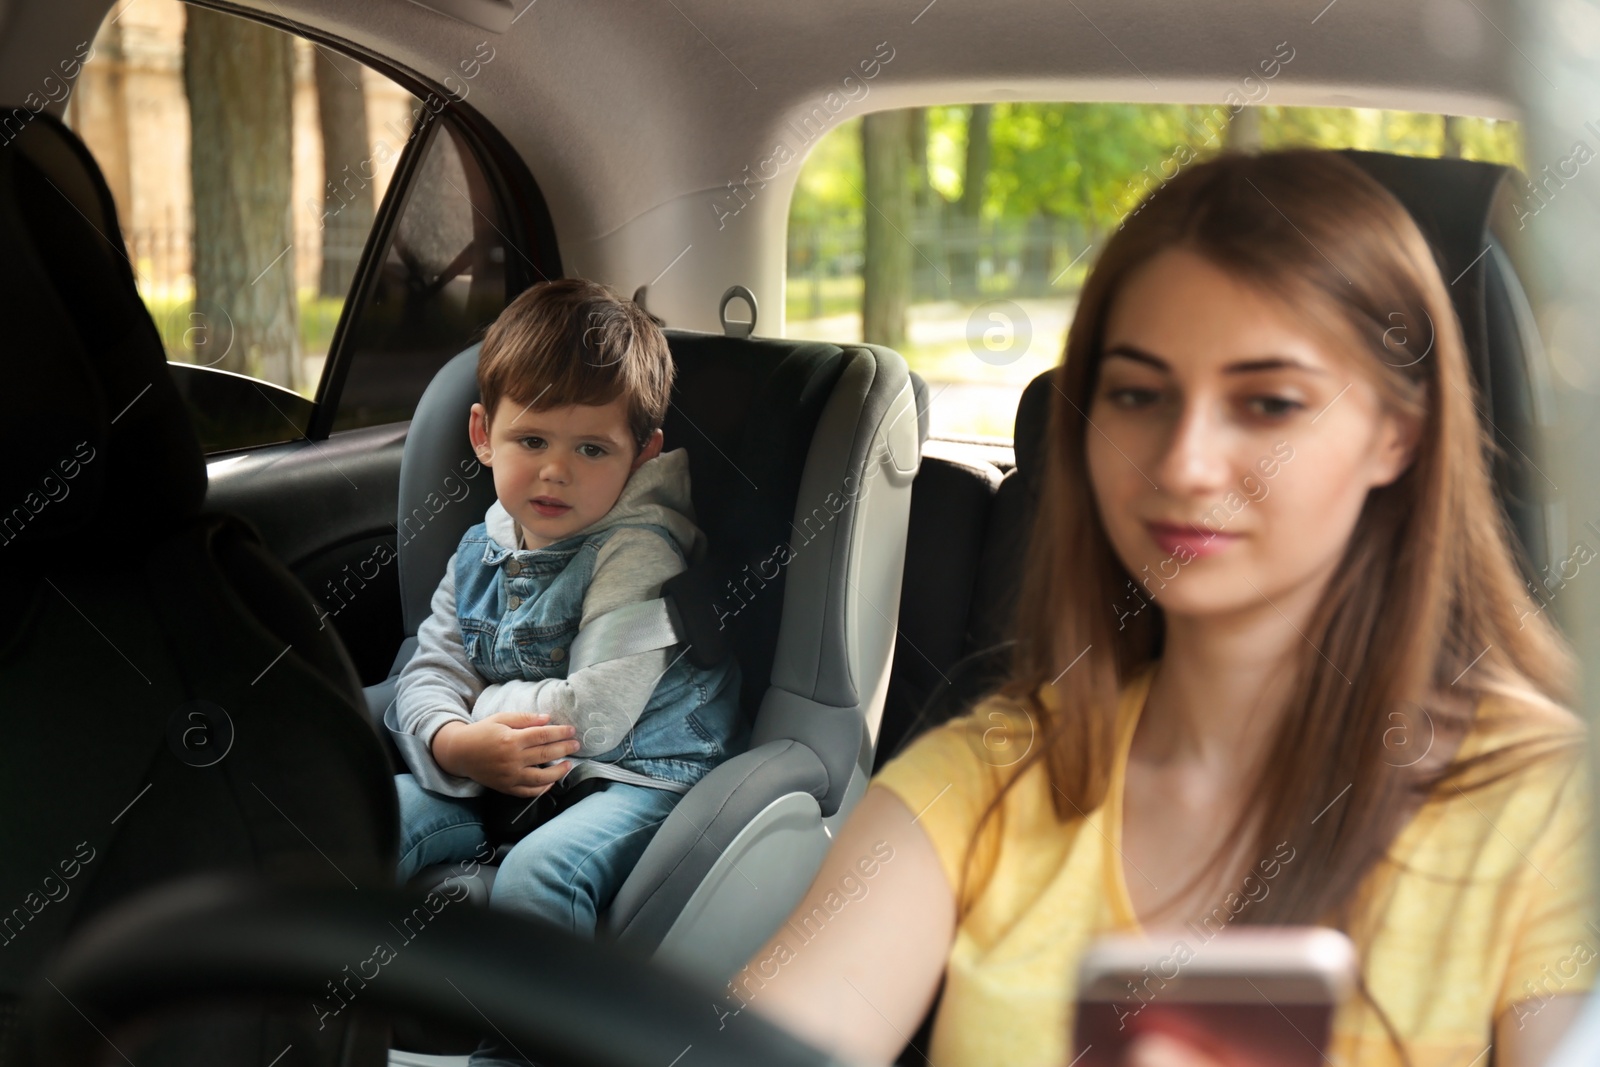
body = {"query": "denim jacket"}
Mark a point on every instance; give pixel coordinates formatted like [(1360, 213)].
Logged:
[(519, 612)]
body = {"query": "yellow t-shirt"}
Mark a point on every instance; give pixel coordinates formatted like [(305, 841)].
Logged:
[(1483, 902)]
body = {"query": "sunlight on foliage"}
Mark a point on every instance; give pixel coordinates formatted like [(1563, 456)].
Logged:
[(1056, 180)]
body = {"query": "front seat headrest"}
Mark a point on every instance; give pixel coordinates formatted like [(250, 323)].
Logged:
[(1028, 434), (99, 448), (1451, 200)]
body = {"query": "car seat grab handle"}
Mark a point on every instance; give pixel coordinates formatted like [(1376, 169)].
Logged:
[(735, 328)]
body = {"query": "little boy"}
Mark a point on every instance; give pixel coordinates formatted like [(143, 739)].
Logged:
[(591, 515)]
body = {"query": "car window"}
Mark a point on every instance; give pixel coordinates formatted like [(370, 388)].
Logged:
[(247, 165), (440, 282), (960, 235)]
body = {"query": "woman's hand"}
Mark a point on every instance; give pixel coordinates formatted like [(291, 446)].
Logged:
[(505, 751), (1161, 1050)]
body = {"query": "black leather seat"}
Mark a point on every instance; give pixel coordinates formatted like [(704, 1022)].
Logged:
[(1465, 209), (170, 705), (963, 559), (951, 504)]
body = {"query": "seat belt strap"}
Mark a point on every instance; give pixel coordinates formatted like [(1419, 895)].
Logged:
[(625, 631)]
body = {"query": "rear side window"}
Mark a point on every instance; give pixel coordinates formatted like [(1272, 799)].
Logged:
[(312, 240), (439, 284), (985, 218), (247, 165)]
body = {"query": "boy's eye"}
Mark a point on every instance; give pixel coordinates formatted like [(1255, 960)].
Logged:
[(531, 442), (596, 454)]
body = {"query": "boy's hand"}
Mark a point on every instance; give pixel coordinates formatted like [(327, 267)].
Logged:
[(504, 751)]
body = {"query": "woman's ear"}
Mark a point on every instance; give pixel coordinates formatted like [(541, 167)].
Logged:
[(478, 432), (1397, 447)]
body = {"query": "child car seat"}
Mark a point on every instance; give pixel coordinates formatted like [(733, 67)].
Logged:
[(801, 456)]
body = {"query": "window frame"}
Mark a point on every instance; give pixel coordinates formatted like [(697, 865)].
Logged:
[(523, 210)]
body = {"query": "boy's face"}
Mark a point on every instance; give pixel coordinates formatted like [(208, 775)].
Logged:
[(558, 470)]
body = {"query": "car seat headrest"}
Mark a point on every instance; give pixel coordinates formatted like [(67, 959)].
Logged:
[(1028, 434), (97, 440), (1452, 202)]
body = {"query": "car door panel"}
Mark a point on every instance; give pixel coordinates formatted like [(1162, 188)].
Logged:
[(327, 510)]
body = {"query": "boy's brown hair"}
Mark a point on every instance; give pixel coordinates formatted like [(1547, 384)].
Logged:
[(574, 341)]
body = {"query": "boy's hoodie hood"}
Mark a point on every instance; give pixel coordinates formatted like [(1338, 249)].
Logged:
[(658, 492)]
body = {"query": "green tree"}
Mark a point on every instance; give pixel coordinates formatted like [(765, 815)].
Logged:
[(1244, 130), (347, 207), (886, 269), (1452, 136), (825, 214), (239, 78), (1084, 166), (962, 236)]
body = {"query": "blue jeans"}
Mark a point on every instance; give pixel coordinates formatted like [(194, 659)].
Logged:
[(565, 871)]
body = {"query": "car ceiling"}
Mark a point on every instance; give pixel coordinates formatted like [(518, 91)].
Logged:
[(634, 115)]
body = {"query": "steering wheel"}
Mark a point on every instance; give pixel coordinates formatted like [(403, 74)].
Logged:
[(551, 993)]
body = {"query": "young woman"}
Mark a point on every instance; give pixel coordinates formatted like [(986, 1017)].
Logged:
[(1275, 664)]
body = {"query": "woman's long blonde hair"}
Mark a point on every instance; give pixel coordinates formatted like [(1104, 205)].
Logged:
[(1425, 609)]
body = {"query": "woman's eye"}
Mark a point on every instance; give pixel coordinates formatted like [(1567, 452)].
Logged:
[(1273, 407), (1132, 397), (1269, 407)]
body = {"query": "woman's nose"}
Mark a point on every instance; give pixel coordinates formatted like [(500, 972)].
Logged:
[(1194, 459)]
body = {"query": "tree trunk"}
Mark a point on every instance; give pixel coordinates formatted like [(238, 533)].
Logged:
[(964, 254), (1244, 131), (1451, 149), (921, 191), (886, 272), (814, 267), (923, 228), (239, 77), (347, 206), (1038, 255)]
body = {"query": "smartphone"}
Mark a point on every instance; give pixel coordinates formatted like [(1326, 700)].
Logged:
[(1249, 996)]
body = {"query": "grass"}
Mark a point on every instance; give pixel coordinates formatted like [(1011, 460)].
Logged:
[(172, 310), (947, 344), (838, 296)]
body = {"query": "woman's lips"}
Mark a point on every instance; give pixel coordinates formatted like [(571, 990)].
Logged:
[(548, 509), (1192, 540)]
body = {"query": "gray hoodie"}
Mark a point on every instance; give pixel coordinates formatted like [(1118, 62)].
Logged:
[(439, 683)]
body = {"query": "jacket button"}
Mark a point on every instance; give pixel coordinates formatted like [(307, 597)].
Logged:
[(558, 654), (514, 603), (513, 568)]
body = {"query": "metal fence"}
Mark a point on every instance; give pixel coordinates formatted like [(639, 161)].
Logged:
[(162, 255), (952, 258)]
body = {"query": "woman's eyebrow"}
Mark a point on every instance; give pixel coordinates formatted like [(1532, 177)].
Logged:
[(1248, 366)]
